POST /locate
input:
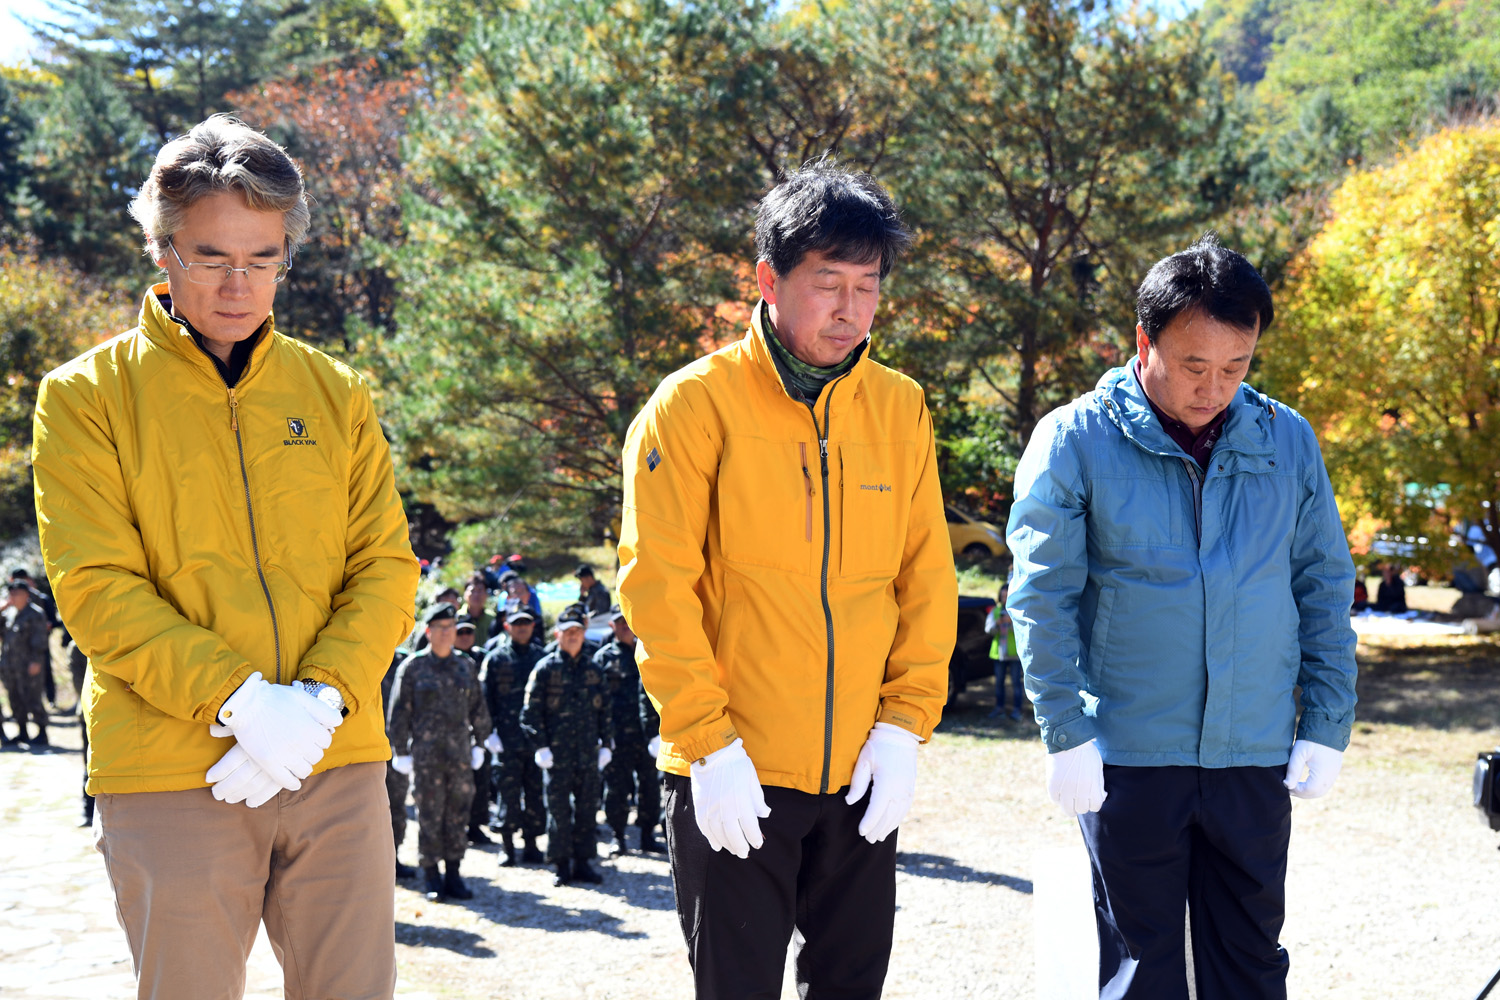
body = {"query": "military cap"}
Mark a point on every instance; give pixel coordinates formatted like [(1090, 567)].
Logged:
[(573, 616), (439, 612)]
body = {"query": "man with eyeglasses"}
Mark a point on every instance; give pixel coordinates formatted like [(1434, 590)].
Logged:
[(221, 526)]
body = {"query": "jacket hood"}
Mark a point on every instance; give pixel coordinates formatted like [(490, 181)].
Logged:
[(1247, 430)]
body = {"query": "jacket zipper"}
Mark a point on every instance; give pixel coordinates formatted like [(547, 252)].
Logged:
[(1195, 474), (807, 478), (234, 423), (827, 608)]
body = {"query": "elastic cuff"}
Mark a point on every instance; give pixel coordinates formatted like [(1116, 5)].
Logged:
[(696, 749), (1321, 729), (902, 717), (209, 715)]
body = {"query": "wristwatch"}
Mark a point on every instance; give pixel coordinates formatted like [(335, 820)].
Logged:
[(326, 693)]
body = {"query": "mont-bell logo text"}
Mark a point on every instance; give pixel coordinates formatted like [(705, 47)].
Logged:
[(297, 428), (876, 487)]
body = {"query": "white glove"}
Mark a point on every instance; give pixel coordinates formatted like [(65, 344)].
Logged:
[(283, 728), (1319, 762), (543, 758), (654, 747), (402, 763), (1075, 779), (727, 798), (237, 778), (605, 756), (476, 758), (889, 757), (492, 743)]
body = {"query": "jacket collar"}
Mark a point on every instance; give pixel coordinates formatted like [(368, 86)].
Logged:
[(846, 385), (1247, 429), (164, 330)]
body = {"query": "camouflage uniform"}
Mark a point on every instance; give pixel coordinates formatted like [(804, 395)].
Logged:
[(504, 675), (396, 783), (22, 643), (438, 711), (484, 777), (568, 710), (632, 769)]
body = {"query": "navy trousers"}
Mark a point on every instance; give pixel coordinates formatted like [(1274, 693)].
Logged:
[(1211, 842), (815, 875)]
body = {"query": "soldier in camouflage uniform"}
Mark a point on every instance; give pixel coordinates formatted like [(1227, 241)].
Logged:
[(567, 717), (24, 656), (632, 771), (506, 668), (437, 720), (484, 784), (397, 783)]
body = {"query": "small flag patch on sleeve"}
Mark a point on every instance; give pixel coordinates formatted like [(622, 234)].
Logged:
[(653, 460)]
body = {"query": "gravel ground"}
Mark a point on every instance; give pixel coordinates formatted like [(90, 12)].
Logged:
[(1391, 880)]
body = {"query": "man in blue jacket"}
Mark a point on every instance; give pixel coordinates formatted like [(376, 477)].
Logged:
[(1180, 571)]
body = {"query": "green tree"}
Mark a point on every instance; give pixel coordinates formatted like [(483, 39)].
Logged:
[(1391, 337), (49, 313), (588, 219)]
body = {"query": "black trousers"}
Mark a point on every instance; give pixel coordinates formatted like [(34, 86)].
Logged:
[(814, 875), (1208, 841)]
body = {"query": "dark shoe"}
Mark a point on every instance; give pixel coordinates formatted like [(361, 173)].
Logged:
[(617, 849), (583, 873), (477, 836), (508, 846), (40, 742), (6, 742), (564, 873), (531, 855), (650, 844), (434, 883), (405, 871), (454, 886)]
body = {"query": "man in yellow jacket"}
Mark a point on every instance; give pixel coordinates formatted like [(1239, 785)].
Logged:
[(221, 528), (785, 563)]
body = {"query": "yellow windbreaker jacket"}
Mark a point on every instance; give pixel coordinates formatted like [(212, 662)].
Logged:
[(786, 568), (194, 534)]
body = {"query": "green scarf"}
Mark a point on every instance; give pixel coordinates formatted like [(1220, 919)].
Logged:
[(804, 380)]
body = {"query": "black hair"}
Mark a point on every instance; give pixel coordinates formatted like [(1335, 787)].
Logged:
[(822, 208), (1209, 277)]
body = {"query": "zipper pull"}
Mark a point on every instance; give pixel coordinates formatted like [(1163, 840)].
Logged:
[(234, 413), (808, 476), (823, 447)]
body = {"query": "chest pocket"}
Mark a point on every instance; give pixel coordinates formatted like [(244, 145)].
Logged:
[(770, 513), (1144, 505), (876, 481)]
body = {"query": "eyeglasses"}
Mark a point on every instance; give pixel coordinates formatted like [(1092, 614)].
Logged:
[(258, 275)]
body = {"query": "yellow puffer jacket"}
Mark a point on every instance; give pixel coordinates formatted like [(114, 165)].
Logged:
[(193, 535), (781, 597)]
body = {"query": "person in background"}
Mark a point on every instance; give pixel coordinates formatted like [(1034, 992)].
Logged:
[(1003, 652), (593, 595), (632, 771), (24, 658), (507, 666), (437, 727), (567, 718), (1390, 595)]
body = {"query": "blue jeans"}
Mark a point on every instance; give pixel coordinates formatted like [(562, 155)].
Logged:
[(1013, 669)]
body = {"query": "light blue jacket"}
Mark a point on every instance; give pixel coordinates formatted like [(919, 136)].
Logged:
[(1171, 612)]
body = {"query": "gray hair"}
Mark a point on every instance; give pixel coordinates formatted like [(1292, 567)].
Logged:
[(221, 153)]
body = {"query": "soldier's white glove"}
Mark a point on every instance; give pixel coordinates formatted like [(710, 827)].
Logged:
[(1075, 779), (476, 758), (492, 743), (1320, 763), (543, 758), (728, 802), (283, 728), (605, 756), (237, 778), (654, 747), (889, 759), (402, 763)]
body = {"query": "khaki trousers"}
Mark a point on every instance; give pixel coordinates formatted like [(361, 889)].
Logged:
[(194, 877)]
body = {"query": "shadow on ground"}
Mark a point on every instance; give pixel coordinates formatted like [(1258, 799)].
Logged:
[(937, 866), (1448, 683), (460, 942), (969, 715)]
